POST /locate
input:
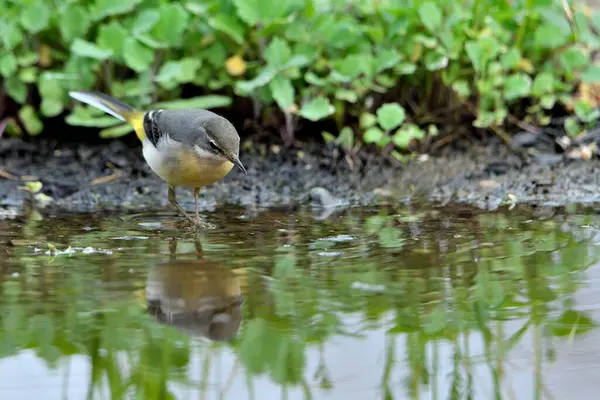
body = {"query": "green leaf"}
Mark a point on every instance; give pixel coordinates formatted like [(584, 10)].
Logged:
[(346, 138), (248, 10), (74, 22), (216, 54), (173, 73), (483, 50), (372, 135), (82, 119), (591, 74), (28, 74), (406, 134), (115, 131), (145, 20), (297, 61), (435, 61), (277, 53), (206, 102), (229, 26), (431, 16), (315, 80), (390, 116), (574, 58), (283, 92), (367, 120), (263, 78), (79, 71), (189, 69), (346, 95), (105, 8), (51, 107), (328, 137), (172, 23), (462, 87), (317, 109), (353, 65), (49, 87), (475, 54), (557, 17), (572, 126), (543, 84), (16, 89), (405, 68), (35, 17), (426, 40), (548, 37), (254, 12), (10, 34), (548, 101), (386, 59), (168, 74), (585, 111), (30, 120), (84, 48), (137, 56), (517, 86), (8, 64), (28, 58), (112, 37), (511, 58)]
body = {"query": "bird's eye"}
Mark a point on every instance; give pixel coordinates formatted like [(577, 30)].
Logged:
[(214, 146)]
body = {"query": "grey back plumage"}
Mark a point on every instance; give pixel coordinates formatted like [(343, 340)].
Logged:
[(191, 127)]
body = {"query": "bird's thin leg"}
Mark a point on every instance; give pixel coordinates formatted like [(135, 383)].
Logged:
[(196, 195), (174, 203)]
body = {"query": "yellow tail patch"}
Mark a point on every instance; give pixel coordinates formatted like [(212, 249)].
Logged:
[(136, 119)]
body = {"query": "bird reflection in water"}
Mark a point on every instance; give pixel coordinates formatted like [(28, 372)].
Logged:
[(198, 296)]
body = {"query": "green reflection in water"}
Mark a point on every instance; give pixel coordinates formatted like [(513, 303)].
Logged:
[(388, 303)]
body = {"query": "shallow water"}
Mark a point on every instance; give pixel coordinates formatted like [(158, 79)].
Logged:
[(394, 303)]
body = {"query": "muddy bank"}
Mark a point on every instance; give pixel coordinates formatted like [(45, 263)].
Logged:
[(114, 177), (489, 176)]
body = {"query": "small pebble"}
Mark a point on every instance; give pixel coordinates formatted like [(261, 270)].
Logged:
[(489, 184), (524, 139)]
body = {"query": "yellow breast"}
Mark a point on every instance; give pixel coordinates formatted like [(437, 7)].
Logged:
[(194, 171)]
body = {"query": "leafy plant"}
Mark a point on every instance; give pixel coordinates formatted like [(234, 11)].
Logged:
[(392, 72)]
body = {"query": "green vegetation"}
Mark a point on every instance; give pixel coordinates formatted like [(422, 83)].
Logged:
[(508, 279), (387, 72)]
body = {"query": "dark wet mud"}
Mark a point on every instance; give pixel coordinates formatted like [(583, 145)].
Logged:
[(494, 175), (113, 176)]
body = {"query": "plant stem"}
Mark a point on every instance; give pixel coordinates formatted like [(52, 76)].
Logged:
[(524, 25), (476, 8)]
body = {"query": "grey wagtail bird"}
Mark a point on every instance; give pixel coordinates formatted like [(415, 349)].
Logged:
[(187, 147)]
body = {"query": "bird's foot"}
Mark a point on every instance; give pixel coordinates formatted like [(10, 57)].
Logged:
[(195, 224)]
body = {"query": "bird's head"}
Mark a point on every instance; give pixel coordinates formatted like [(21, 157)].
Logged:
[(221, 140)]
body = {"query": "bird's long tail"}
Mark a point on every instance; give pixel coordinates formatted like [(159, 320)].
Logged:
[(114, 107)]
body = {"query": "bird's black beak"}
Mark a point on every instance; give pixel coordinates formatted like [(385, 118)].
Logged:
[(236, 161)]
